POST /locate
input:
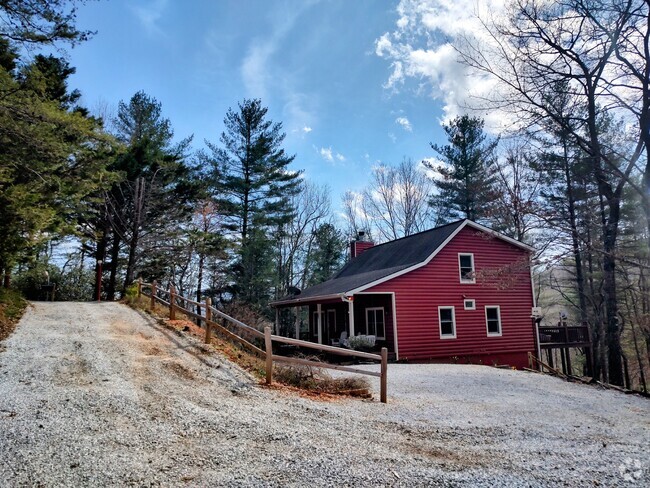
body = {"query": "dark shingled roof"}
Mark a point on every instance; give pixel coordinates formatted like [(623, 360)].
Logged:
[(380, 261)]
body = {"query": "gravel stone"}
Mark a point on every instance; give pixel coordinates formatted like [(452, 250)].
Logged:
[(96, 394)]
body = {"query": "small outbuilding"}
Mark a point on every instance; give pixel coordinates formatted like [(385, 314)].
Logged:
[(457, 293)]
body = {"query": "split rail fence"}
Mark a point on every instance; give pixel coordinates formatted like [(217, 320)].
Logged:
[(209, 315)]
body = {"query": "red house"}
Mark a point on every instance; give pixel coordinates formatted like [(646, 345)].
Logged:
[(457, 293)]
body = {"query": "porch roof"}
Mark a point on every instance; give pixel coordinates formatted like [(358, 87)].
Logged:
[(376, 263)]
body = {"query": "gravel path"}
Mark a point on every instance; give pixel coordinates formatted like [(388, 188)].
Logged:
[(98, 395)]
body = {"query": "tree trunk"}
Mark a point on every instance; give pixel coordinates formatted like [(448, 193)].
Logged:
[(638, 358), (100, 255), (199, 282), (575, 237), (6, 280), (612, 334), (115, 254), (138, 207)]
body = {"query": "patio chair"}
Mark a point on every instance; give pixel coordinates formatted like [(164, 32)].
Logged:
[(343, 340)]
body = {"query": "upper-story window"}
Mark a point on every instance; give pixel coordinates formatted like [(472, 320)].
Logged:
[(466, 268)]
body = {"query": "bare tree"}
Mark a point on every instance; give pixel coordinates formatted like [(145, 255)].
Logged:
[(518, 188), (356, 214), (295, 239), (543, 47), (395, 203)]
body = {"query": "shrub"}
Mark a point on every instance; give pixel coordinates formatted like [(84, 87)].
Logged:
[(316, 379), (360, 342), (12, 306)]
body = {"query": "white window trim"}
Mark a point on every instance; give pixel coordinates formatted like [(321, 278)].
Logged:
[(465, 300), (494, 334), (329, 324), (460, 274), (315, 320), (383, 317), (453, 320)]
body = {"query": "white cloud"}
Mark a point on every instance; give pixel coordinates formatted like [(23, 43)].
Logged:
[(331, 156), (392, 137), (405, 123), (254, 69), (150, 14), (421, 48), (266, 78), (326, 153)]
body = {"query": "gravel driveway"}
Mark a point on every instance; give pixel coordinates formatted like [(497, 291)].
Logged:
[(98, 395)]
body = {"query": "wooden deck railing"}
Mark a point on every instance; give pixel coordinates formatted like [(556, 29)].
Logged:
[(209, 314), (551, 337)]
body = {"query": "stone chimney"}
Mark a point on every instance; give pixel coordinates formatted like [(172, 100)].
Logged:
[(360, 244)]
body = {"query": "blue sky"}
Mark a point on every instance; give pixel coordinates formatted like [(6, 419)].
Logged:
[(316, 65)]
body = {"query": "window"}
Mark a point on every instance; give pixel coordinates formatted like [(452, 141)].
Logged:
[(493, 320), (375, 322), (466, 267), (469, 304), (315, 322), (447, 320)]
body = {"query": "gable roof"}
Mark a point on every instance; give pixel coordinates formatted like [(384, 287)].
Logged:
[(388, 260)]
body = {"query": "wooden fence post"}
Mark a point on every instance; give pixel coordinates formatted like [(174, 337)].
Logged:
[(208, 320), (172, 299), (139, 288), (269, 355), (154, 285), (384, 374)]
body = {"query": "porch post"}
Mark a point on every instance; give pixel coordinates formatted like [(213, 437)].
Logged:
[(351, 313), (319, 319), (297, 324), (277, 320)]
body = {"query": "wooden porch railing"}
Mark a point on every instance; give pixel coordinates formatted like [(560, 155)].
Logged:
[(177, 302)]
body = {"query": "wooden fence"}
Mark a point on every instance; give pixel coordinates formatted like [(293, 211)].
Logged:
[(211, 315)]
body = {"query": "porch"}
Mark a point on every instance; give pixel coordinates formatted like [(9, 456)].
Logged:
[(334, 320), (564, 337)]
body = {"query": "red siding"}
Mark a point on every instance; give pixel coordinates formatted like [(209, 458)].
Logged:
[(503, 279)]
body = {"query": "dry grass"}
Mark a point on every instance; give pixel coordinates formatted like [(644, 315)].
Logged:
[(186, 325), (308, 380), (12, 307), (318, 380)]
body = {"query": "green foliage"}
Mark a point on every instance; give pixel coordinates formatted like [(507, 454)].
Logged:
[(12, 307), (51, 165), (252, 185), (47, 77), (328, 254), (131, 294), (33, 22), (250, 170), (12, 303), (466, 183), (29, 281), (158, 190)]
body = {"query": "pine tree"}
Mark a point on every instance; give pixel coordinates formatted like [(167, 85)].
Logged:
[(466, 180), (328, 254), (158, 188), (52, 160), (252, 185)]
